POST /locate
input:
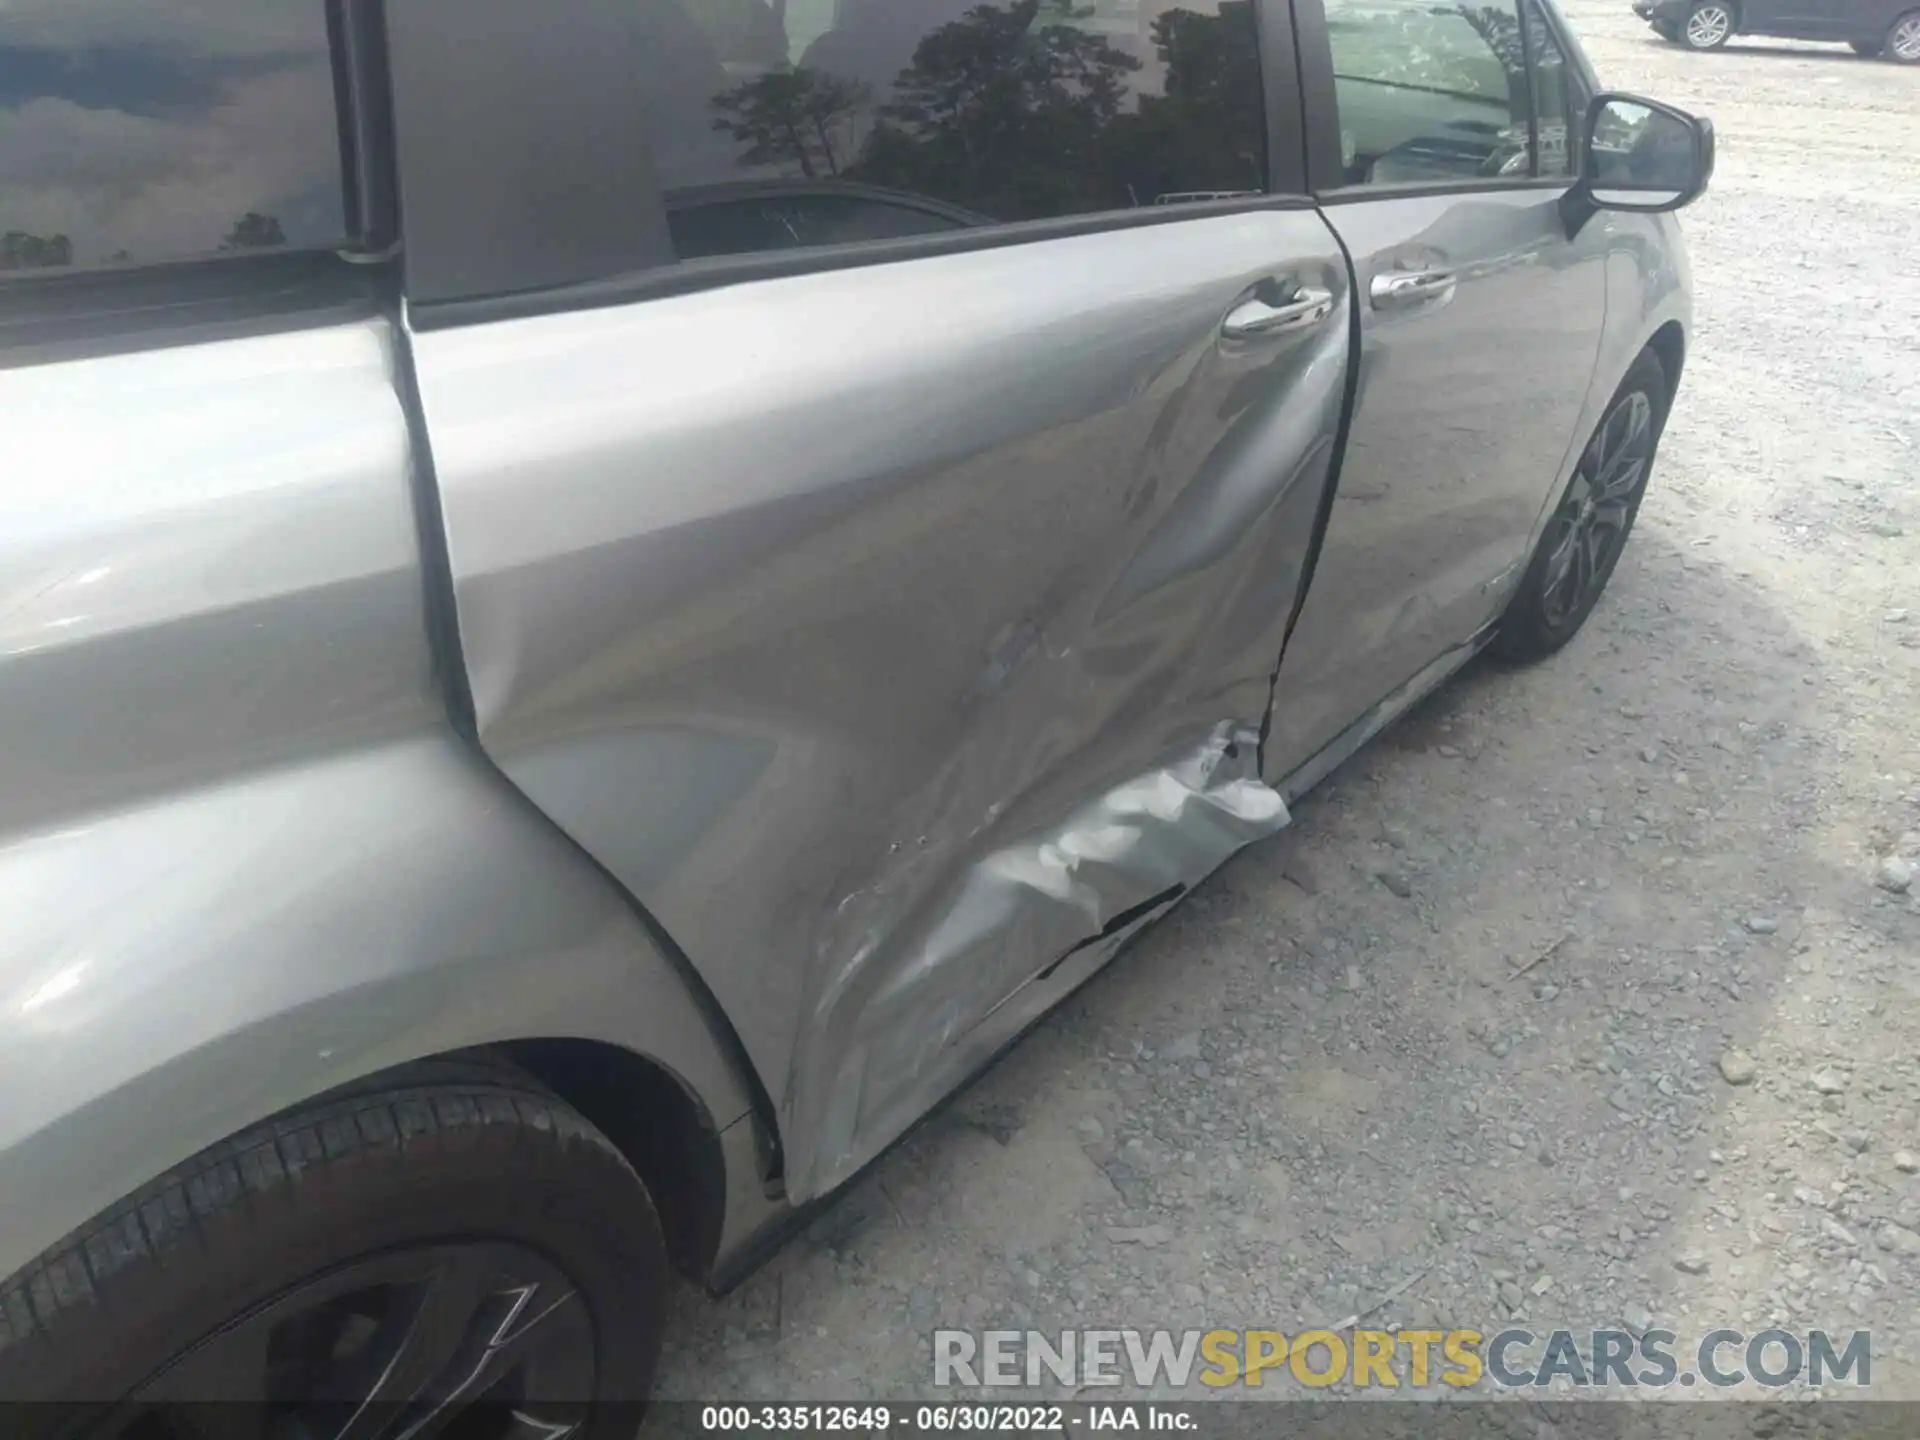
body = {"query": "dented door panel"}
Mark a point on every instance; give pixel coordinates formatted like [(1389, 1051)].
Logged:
[(895, 633)]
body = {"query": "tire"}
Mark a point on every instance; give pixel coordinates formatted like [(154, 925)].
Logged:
[(1867, 49), (1543, 615), (473, 1228), (1709, 25), (1902, 45)]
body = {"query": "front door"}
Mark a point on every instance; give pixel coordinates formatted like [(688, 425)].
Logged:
[(1480, 324), (893, 609)]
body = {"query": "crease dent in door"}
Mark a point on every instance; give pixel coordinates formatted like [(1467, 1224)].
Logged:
[(899, 637), (1119, 857), (1218, 570)]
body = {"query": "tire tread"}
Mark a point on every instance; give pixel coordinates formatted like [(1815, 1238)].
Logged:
[(164, 1221)]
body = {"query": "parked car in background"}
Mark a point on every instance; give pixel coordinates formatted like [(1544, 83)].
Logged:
[(601, 602), (1889, 28)]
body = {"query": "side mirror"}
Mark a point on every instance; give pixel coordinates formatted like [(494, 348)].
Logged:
[(1640, 156)]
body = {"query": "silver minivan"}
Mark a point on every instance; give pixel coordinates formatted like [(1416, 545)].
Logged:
[(602, 601)]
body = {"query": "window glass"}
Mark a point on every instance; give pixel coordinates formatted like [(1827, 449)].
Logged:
[(1429, 92), (1557, 101), (152, 130), (802, 122)]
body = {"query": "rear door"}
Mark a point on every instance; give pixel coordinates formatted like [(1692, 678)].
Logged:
[(1441, 141), (875, 489)]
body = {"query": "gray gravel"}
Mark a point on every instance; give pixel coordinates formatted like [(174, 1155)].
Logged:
[(1322, 1076)]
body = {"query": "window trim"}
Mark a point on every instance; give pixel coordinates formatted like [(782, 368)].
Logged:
[(1477, 185), (1533, 88), (434, 302), (1326, 176), (1580, 69), (1535, 12), (362, 109), (690, 276), (98, 312)]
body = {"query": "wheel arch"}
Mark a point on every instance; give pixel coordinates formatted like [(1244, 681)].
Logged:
[(659, 1126), (175, 974), (1669, 345), (1649, 307)]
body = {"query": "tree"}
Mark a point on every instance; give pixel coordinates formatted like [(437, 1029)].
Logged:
[(254, 231), (1207, 130), (1003, 116), (799, 116), (21, 251)]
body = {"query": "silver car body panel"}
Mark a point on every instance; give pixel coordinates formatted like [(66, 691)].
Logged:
[(242, 857), (1649, 291), (894, 633), (1463, 427), (902, 636), (1343, 746)]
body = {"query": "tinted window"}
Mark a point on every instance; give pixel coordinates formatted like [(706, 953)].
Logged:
[(867, 119), (150, 130), (1429, 92)]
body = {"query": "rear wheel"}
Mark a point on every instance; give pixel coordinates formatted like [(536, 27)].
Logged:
[(1709, 25), (1903, 39), (1590, 526), (454, 1258)]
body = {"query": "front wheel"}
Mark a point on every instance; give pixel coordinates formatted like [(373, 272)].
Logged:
[(1903, 39), (1709, 26), (410, 1261), (1589, 527)]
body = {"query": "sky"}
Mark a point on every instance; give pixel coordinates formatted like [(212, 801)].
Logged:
[(150, 126)]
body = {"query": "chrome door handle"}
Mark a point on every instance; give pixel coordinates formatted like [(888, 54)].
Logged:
[(1408, 289), (1304, 309)]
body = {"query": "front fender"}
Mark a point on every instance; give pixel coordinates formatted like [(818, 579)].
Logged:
[(173, 973), (1649, 286)]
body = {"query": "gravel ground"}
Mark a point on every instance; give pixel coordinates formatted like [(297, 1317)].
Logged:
[(1701, 1104)]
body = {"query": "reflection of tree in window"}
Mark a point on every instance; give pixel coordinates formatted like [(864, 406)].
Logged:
[(1022, 112), (1208, 131), (1002, 117), (135, 131), (21, 251), (797, 116), (254, 231)]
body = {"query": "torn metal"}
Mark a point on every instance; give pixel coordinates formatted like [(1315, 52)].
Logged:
[(901, 658), (979, 972)]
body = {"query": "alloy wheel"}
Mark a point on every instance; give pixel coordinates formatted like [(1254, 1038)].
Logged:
[(1904, 42), (474, 1341), (1590, 526), (1708, 25)]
